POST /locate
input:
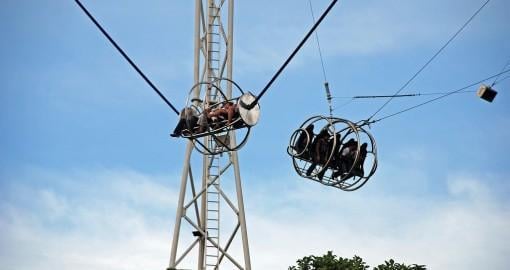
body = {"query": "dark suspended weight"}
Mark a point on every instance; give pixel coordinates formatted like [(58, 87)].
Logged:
[(334, 152), (486, 93)]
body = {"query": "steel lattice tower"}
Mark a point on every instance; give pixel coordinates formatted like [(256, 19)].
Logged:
[(201, 208)]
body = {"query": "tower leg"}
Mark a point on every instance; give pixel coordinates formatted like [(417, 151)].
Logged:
[(240, 203), (180, 206)]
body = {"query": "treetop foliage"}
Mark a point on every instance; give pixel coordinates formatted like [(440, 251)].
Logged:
[(329, 261)]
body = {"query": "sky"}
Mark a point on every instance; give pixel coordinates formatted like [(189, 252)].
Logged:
[(89, 177)]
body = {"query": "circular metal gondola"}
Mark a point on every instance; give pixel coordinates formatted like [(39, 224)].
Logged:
[(212, 117), (340, 154)]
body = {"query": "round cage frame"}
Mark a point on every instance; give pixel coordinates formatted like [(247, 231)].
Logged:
[(221, 131), (329, 167)]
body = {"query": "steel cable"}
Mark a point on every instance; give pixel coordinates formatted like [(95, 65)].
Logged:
[(435, 99), (431, 59), (287, 61), (126, 56)]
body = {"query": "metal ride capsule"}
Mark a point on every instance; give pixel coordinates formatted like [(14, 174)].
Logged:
[(334, 152), (213, 117)]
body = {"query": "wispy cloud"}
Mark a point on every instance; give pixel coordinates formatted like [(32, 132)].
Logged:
[(126, 223), (463, 230), (109, 219), (351, 30)]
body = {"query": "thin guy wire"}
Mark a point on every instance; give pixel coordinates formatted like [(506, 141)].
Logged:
[(505, 78), (496, 80), (119, 49), (442, 93), (403, 95), (434, 99), (343, 104), (326, 83), (431, 59), (318, 42), (296, 50)]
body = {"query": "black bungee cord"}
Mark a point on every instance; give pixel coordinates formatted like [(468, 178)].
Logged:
[(296, 50), (119, 49)]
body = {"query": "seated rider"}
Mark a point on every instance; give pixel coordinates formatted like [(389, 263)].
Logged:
[(346, 157), (226, 111), (358, 167), (187, 120), (326, 152), (204, 120), (318, 150), (303, 141)]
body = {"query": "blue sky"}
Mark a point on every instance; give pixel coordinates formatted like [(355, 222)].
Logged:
[(89, 175)]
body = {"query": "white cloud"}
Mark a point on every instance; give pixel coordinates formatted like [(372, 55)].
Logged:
[(126, 223), (54, 205), (455, 232), (352, 29), (349, 30), (468, 186), (81, 225)]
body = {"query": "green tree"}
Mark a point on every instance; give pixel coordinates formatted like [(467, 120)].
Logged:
[(329, 261), (391, 265)]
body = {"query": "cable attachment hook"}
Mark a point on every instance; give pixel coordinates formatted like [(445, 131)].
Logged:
[(329, 98), (366, 122)]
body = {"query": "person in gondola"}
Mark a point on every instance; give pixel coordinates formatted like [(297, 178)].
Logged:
[(302, 141), (345, 158), (319, 149), (187, 121), (204, 120), (358, 167), (226, 111), (331, 148), (335, 159)]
